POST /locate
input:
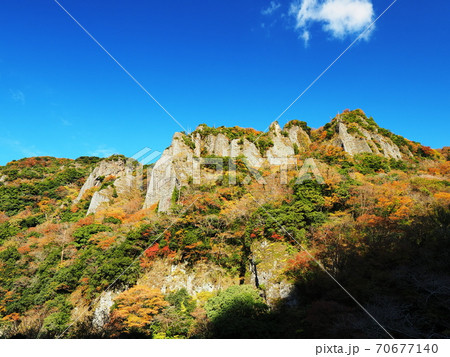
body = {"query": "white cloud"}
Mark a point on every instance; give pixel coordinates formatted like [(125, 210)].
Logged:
[(18, 147), (103, 152), (340, 18), (274, 6), (305, 36), (65, 122), (17, 96)]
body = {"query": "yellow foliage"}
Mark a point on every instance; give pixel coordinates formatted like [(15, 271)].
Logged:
[(137, 306), (442, 197)]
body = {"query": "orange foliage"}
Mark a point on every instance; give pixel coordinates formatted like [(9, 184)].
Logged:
[(140, 215), (300, 264), (276, 236), (443, 197), (102, 240), (151, 253), (137, 306), (116, 213), (24, 249), (393, 201), (14, 317), (86, 221), (443, 168), (370, 220), (3, 217), (51, 228)]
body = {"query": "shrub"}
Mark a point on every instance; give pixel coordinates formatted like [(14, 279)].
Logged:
[(112, 220), (30, 222), (369, 163), (181, 300), (82, 234), (189, 142), (7, 230), (236, 312), (301, 124)]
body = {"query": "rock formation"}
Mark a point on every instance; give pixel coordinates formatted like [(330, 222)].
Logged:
[(119, 172), (183, 161), (365, 142)]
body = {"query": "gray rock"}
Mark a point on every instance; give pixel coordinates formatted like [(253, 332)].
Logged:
[(202, 277), (97, 200), (126, 179), (104, 169), (351, 144), (180, 163), (102, 310)]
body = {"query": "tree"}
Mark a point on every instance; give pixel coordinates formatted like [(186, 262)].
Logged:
[(237, 312), (136, 307)]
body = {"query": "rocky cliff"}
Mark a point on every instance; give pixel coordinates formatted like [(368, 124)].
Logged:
[(184, 161), (355, 139), (181, 162), (114, 177)]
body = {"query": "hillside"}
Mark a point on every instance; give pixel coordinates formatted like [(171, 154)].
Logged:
[(227, 235)]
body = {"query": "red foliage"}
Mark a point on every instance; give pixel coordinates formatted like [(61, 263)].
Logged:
[(86, 221), (300, 264), (153, 252), (277, 236), (24, 249), (427, 151)]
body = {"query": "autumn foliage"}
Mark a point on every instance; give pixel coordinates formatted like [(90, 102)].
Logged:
[(136, 308)]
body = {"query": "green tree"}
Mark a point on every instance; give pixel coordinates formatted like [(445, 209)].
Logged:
[(237, 312)]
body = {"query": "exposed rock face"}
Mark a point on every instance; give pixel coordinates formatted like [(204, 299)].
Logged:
[(3, 178), (365, 142), (97, 199), (104, 169), (269, 272), (282, 146), (118, 171), (173, 169), (180, 163), (203, 277), (351, 144), (102, 310), (208, 277)]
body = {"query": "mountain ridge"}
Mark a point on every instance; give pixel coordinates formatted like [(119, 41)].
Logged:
[(200, 230)]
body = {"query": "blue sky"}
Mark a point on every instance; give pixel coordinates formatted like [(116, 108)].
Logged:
[(215, 62)]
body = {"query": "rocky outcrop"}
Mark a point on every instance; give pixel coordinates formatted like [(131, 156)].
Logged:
[(104, 169), (350, 143), (121, 176), (360, 140), (202, 277), (174, 168), (102, 311), (268, 264), (282, 145), (183, 160), (97, 199), (267, 268)]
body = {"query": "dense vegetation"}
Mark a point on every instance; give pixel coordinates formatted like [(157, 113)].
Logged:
[(259, 138), (379, 226)]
